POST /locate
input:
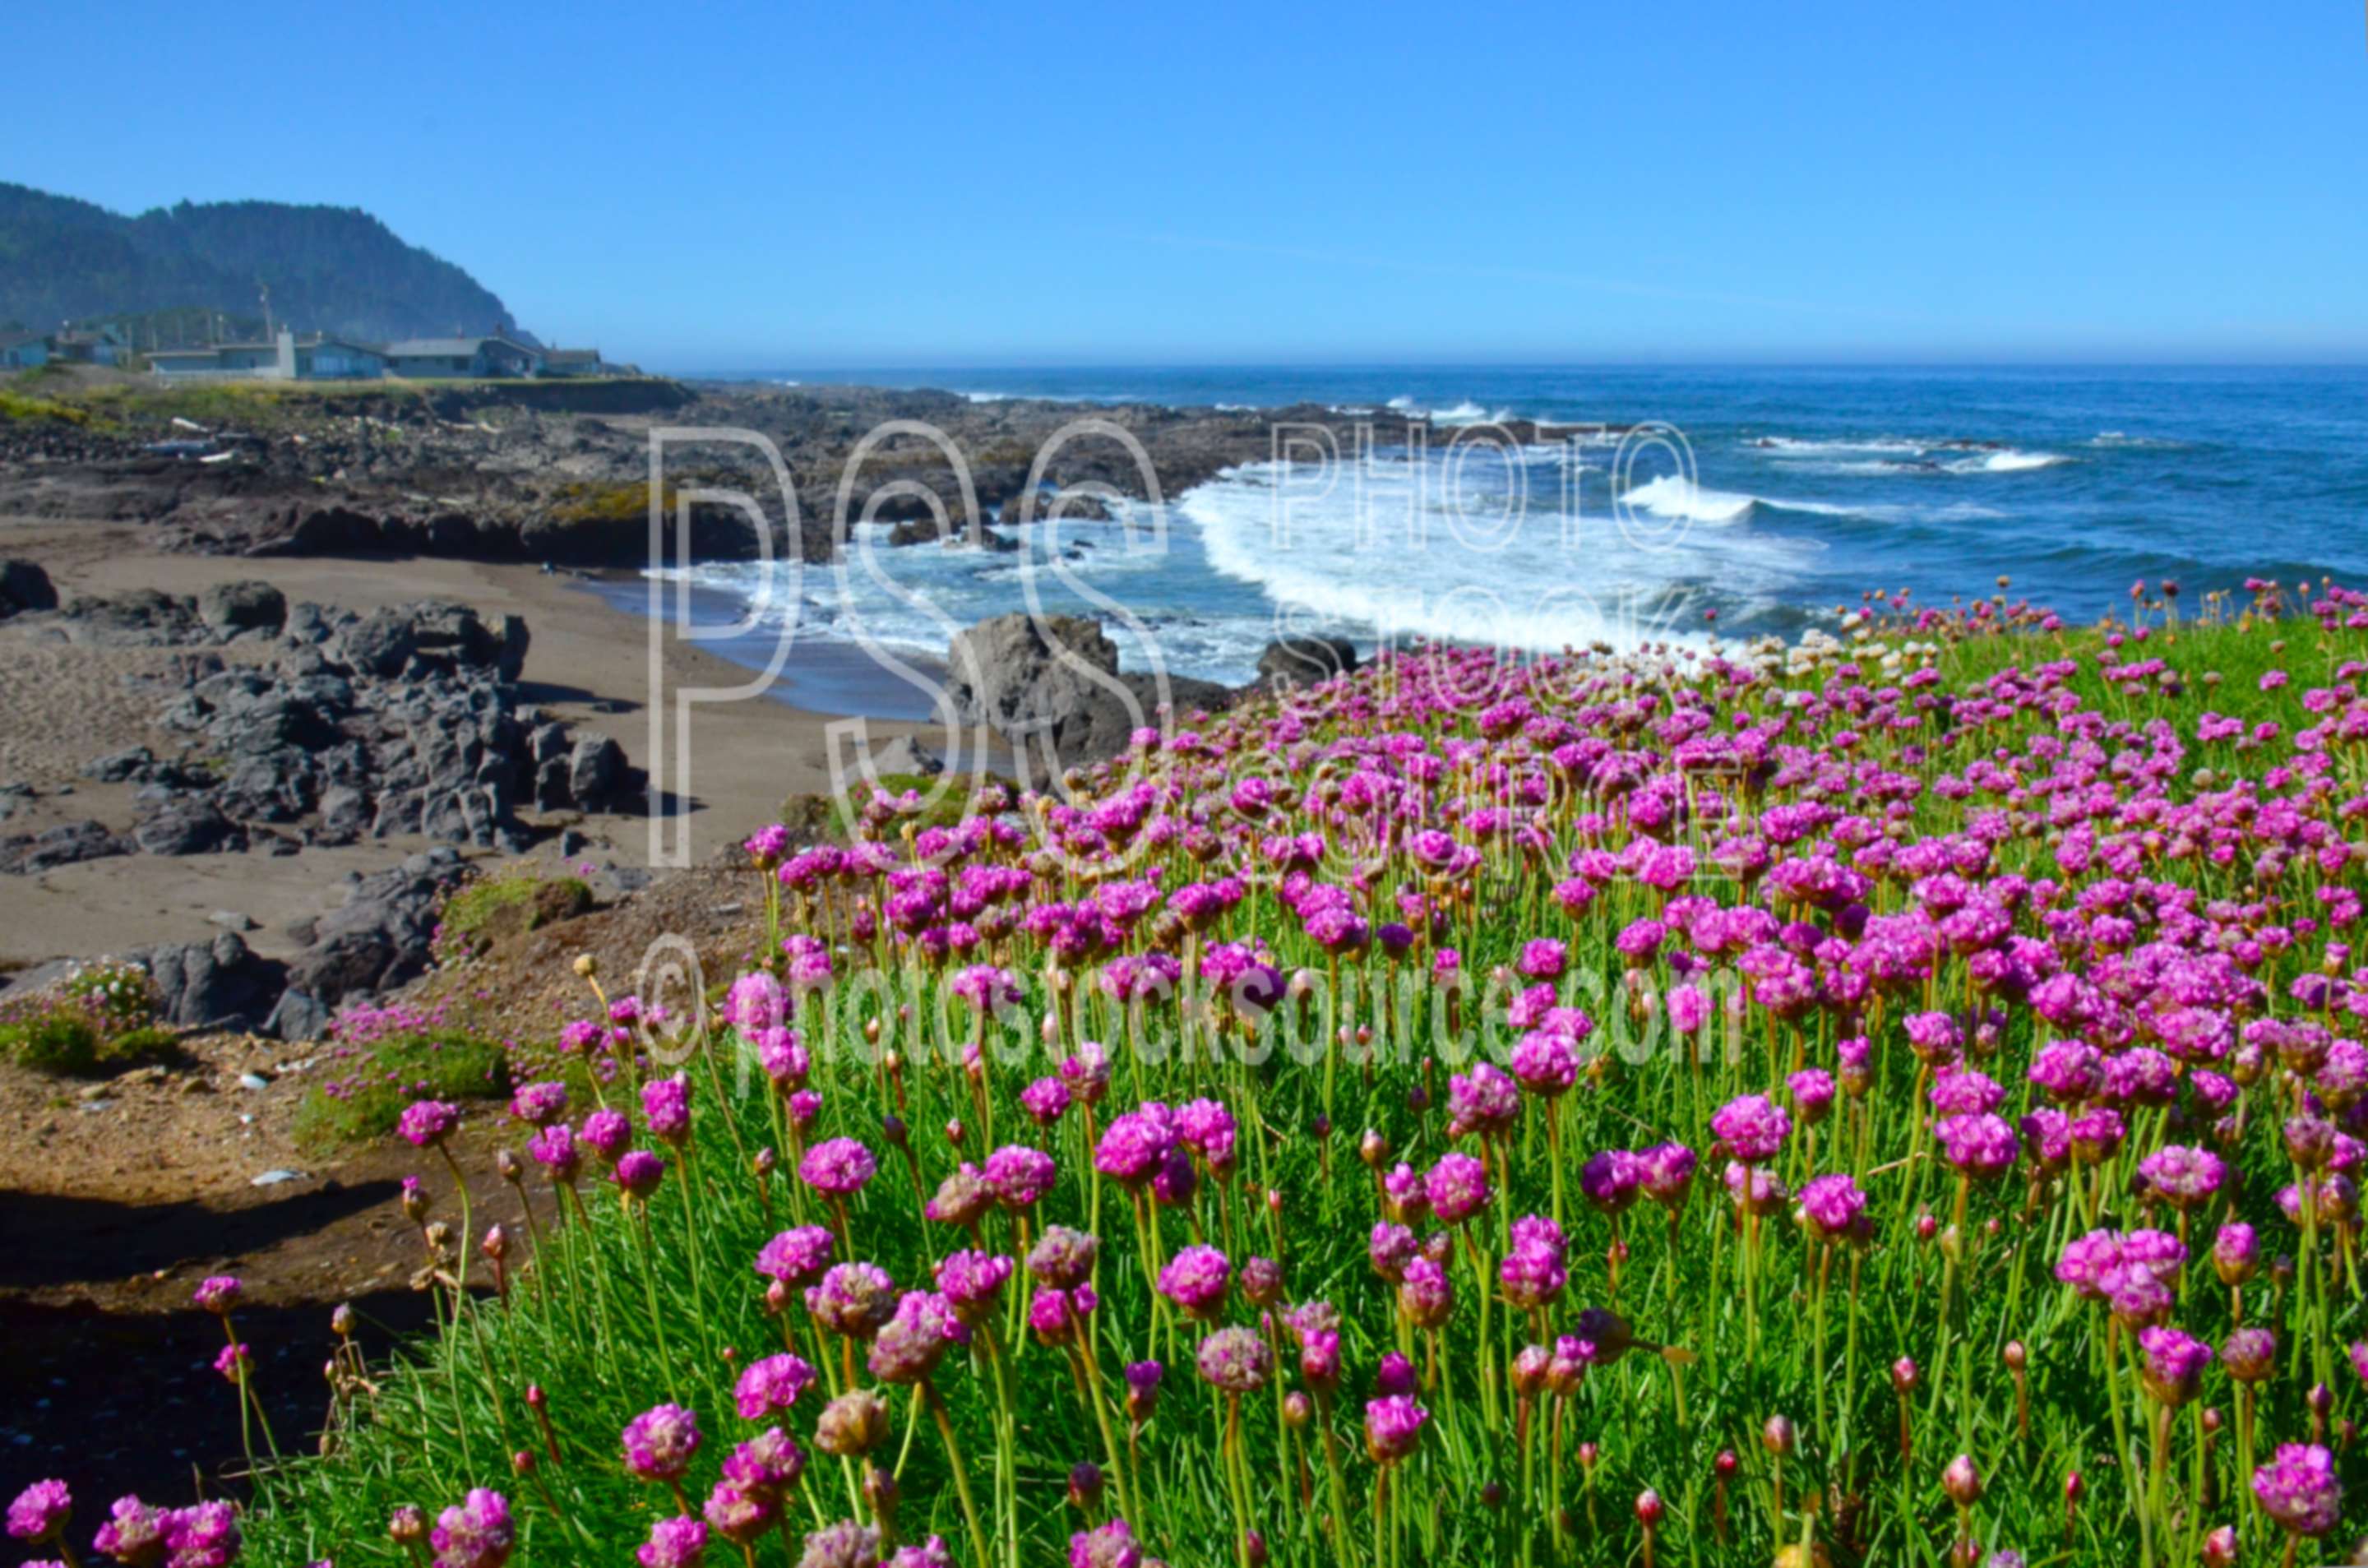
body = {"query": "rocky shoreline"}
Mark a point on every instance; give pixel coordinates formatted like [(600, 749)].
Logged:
[(287, 727), (485, 478)]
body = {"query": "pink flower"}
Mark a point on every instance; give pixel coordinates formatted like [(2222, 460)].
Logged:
[(1393, 1427), (1457, 1187), (659, 1443), (427, 1123), (1833, 1203), (1751, 1128), (839, 1166), (1196, 1280), (2300, 1489), (770, 1385)]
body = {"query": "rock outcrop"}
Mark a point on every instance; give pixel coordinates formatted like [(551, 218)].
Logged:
[(23, 586), (1052, 688), (1306, 660), (404, 720), (377, 939)]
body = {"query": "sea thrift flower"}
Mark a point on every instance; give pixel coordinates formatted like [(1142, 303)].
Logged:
[(1195, 1280), (1111, 1545), (1457, 1187), (1392, 1428), (1668, 1174), (666, 1103), (846, 1544), (1483, 1102), (1981, 1144), (1833, 1204), (1057, 1316), (540, 1105), (839, 1166), (1751, 1128), (1612, 1180), (2300, 1490), (659, 1443), (134, 1534), (40, 1511), (767, 1465), (1045, 1100), (1063, 1259), (796, 1257), (607, 1133), (1236, 1360), (207, 1536), (2250, 1355), (1544, 1064), (1020, 1175), (1143, 1380), (1812, 1090), (912, 1343), (474, 1533), (427, 1123), (2173, 1364), (1425, 1297), (853, 1299), (962, 1199), (2182, 1177), (639, 1172), (673, 1543), (738, 1514), (217, 1293), (973, 1282), (770, 1385)]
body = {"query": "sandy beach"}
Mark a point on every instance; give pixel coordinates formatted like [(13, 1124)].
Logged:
[(61, 704)]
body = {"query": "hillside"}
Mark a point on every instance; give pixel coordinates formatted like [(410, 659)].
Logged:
[(332, 269)]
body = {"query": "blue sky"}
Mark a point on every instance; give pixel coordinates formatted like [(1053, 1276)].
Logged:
[(764, 184)]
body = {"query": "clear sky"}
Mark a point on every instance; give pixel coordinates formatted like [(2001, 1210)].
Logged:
[(742, 186)]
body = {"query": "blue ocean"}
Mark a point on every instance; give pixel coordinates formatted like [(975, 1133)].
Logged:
[(1774, 497)]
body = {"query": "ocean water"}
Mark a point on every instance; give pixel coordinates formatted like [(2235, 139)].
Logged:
[(1771, 497)]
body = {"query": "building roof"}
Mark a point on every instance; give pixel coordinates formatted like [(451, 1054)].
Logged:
[(13, 339), (455, 348), (212, 350), (572, 355), (439, 347)]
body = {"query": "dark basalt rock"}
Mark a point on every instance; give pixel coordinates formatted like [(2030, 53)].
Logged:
[(1306, 660), (24, 586), (1050, 686), (188, 825), (404, 720), (377, 939), (28, 853), (230, 609)]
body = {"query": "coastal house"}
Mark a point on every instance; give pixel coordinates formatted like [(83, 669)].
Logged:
[(23, 350), (219, 360), (461, 357), (338, 359), (322, 357), (82, 346)]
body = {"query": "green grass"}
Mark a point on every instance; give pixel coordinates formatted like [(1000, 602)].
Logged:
[(1759, 1317), (378, 1079), (61, 1041), (19, 408), (493, 907)]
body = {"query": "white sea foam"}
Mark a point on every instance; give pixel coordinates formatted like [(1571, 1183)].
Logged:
[(1805, 446), (2006, 460), (1388, 556), (1674, 495), (1464, 413)]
